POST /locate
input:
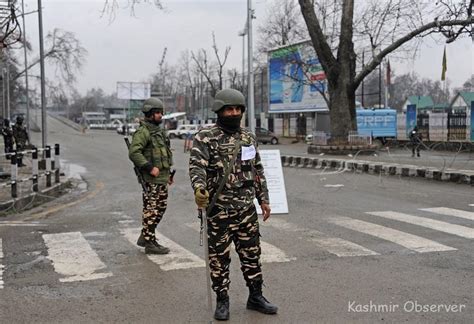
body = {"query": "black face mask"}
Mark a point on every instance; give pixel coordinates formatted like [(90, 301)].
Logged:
[(230, 124)]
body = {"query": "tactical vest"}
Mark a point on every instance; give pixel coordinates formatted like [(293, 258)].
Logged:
[(158, 150)]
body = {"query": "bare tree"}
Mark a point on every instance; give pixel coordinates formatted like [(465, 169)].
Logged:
[(397, 23), (468, 85), (65, 52), (111, 6), (235, 81), (282, 25), (190, 76), (208, 69)]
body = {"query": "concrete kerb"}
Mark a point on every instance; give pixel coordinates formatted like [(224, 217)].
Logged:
[(456, 176)]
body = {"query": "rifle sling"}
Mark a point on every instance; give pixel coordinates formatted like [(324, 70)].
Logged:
[(228, 167)]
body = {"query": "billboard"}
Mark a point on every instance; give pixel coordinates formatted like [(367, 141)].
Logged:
[(296, 80), (411, 118), (133, 90), (472, 121)]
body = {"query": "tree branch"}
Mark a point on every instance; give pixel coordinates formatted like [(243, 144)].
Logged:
[(379, 57)]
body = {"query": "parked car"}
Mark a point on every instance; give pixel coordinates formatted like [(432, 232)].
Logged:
[(132, 128), (265, 136), (183, 130)]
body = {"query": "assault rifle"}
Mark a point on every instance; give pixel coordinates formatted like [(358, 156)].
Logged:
[(137, 171)]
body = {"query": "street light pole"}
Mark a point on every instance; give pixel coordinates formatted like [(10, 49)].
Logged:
[(26, 70), (242, 34), (43, 90), (251, 114)]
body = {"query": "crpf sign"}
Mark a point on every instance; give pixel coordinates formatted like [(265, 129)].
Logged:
[(371, 121), (377, 123)]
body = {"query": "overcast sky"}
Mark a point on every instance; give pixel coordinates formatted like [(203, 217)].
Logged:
[(130, 48)]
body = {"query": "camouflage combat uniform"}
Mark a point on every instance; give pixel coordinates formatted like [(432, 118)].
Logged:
[(7, 137), (21, 136), (234, 217), (150, 148)]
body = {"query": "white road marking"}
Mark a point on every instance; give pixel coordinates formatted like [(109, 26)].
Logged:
[(411, 242), (73, 257), (270, 253), (450, 212), (472, 205), (178, 258), (1, 265), (127, 221), (19, 223), (334, 245), (334, 185), (458, 230)]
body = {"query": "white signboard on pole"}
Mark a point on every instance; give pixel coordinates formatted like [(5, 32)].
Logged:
[(271, 161), (133, 90)]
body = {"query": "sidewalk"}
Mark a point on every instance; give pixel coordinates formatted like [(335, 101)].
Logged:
[(436, 165)]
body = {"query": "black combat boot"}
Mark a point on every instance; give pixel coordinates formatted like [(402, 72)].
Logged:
[(152, 247), (222, 306), (141, 240), (259, 303)]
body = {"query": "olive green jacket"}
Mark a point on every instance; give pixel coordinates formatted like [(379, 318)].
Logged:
[(150, 148)]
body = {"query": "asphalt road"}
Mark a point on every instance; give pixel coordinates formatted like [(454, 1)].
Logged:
[(353, 248)]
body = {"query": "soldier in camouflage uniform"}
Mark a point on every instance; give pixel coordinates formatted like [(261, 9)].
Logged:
[(7, 137), (21, 138), (233, 218), (150, 151)]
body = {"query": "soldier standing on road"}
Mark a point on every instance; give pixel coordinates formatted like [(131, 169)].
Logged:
[(21, 138), (7, 137), (233, 218), (416, 141), (150, 151)]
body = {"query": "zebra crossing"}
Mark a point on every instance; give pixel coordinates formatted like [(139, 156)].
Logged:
[(74, 259)]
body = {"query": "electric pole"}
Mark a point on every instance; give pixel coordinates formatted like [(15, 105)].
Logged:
[(162, 77)]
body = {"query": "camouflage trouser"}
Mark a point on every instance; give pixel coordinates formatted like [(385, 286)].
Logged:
[(241, 227), (154, 206)]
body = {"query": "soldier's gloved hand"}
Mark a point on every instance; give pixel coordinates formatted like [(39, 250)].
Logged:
[(201, 196)]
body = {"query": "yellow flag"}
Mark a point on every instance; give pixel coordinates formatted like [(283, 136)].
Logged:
[(445, 66)]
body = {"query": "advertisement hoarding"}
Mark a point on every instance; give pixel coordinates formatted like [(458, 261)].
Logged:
[(472, 121), (296, 80), (133, 90), (411, 118)]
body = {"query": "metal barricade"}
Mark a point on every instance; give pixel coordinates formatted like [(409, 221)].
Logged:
[(51, 167), (320, 138), (355, 139)]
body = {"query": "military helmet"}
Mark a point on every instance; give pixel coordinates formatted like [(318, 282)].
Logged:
[(228, 97), (153, 103)]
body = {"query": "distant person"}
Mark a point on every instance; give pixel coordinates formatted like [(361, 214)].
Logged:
[(7, 133), (300, 128), (21, 138), (416, 141), (150, 151)]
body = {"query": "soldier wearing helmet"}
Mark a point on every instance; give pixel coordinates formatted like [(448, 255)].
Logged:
[(150, 151), (21, 137), (233, 217), (7, 137)]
